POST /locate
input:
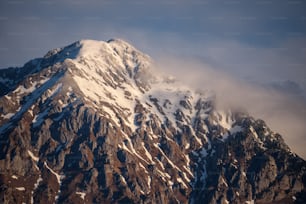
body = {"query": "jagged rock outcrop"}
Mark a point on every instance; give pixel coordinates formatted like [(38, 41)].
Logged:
[(91, 123)]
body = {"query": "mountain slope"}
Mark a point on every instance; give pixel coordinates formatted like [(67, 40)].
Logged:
[(92, 122)]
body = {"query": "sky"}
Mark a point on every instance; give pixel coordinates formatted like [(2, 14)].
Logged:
[(251, 50)]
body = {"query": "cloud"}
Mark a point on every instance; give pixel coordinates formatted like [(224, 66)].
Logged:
[(283, 113)]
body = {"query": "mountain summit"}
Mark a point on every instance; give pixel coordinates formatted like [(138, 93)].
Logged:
[(93, 122)]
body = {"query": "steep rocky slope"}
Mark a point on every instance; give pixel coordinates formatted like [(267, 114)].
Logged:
[(94, 123)]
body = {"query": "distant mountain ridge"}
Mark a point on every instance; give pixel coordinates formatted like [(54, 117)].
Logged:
[(93, 122)]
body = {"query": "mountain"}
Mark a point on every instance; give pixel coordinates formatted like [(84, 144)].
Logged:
[(94, 122)]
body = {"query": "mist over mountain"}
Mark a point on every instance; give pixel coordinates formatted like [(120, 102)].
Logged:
[(99, 122), (281, 105)]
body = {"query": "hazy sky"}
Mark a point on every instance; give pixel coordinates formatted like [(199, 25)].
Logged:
[(263, 40), (262, 43)]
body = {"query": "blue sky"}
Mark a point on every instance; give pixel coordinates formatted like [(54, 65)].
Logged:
[(30, 28), (262, 42), (264, 39)]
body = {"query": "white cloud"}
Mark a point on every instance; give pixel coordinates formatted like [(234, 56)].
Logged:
[(283, 113)]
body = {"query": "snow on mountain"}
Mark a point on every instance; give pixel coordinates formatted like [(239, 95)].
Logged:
[(94, 122)]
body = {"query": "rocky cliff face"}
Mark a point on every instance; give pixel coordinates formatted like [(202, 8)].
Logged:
[(91, 123)]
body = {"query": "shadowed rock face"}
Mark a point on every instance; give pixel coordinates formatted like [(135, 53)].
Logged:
[(91, 123)]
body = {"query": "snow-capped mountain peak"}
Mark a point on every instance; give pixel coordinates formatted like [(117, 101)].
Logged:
[(91, 123), (113, 53)]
